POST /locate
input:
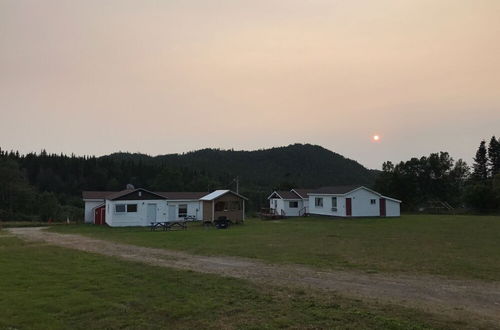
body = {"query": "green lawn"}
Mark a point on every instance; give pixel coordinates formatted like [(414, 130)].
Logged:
[(453, 246), (46, 287)]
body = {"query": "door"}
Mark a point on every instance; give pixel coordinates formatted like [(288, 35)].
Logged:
[(382, 207), (151, 213), (103, 215), (100, 215), (171, 213), (348, 207)]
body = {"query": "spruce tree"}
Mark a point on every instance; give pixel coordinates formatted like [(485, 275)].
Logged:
[(481, 163), (494, 156)]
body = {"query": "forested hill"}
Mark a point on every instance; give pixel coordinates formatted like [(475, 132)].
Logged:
[(296, 165), (62, 178)]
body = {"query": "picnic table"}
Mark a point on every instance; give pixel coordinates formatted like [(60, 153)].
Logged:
[(169, 225)]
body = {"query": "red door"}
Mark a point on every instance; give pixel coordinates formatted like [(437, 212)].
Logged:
[(100, 215), (348, 207), (382, 207)]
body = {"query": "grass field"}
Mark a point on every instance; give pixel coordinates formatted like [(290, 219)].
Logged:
[(452, 246), (47, 287)]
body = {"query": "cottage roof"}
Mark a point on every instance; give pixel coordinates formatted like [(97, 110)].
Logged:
[(283, 194), (182, 195), (218, 193), (175, 195), (335, 190), (302, 192)]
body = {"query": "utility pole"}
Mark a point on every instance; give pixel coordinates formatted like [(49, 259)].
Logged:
[(237, 184)]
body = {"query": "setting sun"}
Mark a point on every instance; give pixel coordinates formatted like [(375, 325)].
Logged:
[(376, 138)]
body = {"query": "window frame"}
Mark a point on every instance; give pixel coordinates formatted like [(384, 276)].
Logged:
[(334, 205), (373, 201), (295, 203), (318, 201), (184, 214), (121, 205), (132, 206)]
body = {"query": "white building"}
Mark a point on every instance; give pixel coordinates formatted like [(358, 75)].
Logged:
[(140, 207), (338, 201), (289, 203)]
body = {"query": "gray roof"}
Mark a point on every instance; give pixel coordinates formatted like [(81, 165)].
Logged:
[(175, 195), (302, 192), (286, 194), (218, 193), (335, 190)]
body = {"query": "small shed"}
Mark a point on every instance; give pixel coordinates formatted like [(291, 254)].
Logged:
[(224, 203)]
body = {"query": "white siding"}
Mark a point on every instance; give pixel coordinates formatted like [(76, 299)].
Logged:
[(327, 205), (361, 206), (139, 218), (360, 201), (392, 208), (284, 205), (89, 207), (195, 208), (292, 211)]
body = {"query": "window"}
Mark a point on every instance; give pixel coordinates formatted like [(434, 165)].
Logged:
[(183, 210), (120, 208), (131, 208), (220, 206), (318, 202), (373, 201), (334, 204), (235, 206), (293, 205)]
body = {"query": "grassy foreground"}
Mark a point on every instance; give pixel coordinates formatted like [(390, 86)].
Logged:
[(45, 287), (453, 246)]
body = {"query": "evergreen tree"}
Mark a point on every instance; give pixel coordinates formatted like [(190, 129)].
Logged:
[(494, 156), (481, 163)]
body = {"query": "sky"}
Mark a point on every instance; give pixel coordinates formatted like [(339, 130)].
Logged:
[(157, 77)]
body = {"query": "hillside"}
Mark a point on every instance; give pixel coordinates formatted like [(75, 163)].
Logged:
[(298, 165)]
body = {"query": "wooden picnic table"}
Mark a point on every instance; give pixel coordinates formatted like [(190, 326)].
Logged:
[(169, 225)]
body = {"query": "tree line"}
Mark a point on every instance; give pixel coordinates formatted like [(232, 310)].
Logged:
[(439, 178)]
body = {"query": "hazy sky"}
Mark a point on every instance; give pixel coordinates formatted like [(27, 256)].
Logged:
[(95, 77)]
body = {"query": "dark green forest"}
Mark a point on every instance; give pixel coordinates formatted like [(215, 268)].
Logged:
[(438, 177), (43, 186)]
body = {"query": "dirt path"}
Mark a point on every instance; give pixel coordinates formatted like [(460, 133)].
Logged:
[(460, 299)]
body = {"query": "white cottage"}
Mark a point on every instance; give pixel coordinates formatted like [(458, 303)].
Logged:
[(289, 203), (337, 201), (352, 201), (140, 207)]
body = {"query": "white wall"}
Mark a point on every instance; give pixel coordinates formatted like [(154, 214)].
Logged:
[(361, 206), (139, 218), (194, 208), (392, 208), (284, 205), (292, 211), (327, 205), (89, 206), (276, 203)]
